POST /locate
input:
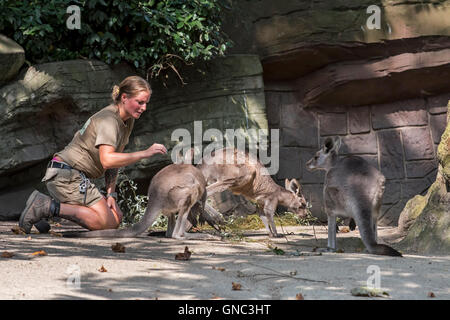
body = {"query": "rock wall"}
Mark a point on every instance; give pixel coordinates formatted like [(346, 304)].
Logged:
[(398, 138)]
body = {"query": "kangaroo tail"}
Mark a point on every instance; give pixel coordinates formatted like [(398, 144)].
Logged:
[(385, 250), (366, 225), (131, 232)]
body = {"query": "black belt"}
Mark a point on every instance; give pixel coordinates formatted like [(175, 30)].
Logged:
[(59, 165), (85, 182)]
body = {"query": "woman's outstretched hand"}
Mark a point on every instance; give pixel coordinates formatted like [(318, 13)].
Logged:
[(155, 149)]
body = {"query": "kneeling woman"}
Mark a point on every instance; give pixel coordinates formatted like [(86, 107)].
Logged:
[(96, 150)]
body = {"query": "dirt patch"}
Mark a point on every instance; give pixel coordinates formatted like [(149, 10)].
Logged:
[(264, 268)]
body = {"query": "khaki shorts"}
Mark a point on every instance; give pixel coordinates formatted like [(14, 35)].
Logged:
[(63, 185)]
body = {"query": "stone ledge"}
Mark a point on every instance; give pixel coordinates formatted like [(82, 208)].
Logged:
[(12, 57), (347, 83)]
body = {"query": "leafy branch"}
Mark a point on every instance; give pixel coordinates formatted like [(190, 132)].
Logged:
[(150, 35)]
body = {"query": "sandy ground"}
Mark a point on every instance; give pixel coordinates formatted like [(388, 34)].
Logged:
[(148, 269)]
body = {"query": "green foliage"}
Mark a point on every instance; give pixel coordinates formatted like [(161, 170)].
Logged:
[(291, 219), (132, 204), (151, 35)]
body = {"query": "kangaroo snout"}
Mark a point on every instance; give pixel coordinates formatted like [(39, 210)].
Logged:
[(303, 203), (301, 211), (310, 165)]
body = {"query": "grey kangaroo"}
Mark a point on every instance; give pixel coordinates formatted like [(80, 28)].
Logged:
[(176, 188), (352, 189), (245, 175)]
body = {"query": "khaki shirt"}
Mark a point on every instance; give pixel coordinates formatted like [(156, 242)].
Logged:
[(104, 127)]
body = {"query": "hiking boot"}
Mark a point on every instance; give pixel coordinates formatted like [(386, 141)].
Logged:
[(37, 208), (41, 226)]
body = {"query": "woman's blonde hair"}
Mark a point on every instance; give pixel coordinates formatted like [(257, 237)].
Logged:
[(131, 86)]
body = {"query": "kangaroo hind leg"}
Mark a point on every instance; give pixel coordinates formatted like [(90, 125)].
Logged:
[(183, 224)]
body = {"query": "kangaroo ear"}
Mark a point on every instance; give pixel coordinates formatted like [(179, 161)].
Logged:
[(178, 158), (189, 156), (292, 186), (295, 186), (337, 144), (286, 183), (328, 144)]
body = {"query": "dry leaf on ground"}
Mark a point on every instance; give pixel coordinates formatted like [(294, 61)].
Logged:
[(7, 254), (55, 234), (236, 286), (219, 268), (17, 230), (344, 230), (431, 295), (102, 269), (185, 255), (39, 253), (118, 247), (299, 296)]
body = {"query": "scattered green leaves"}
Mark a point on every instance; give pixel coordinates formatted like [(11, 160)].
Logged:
[(278, 251)]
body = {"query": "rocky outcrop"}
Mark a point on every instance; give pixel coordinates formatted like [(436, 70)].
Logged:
[(40, 112), (280, 28), (329, 53), (366, 82), (12, 57), (425, 220)]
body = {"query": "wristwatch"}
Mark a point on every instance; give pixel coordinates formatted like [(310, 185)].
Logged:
[(112, 194)]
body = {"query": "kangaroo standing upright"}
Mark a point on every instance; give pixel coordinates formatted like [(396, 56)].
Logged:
[(352, 189)]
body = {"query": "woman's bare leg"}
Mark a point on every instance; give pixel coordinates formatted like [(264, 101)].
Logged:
[(96, 217)]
